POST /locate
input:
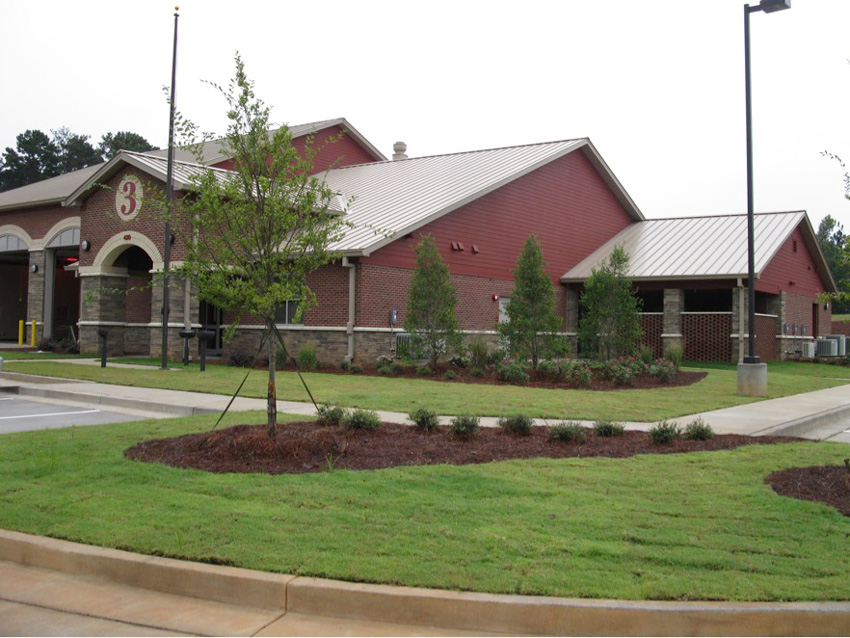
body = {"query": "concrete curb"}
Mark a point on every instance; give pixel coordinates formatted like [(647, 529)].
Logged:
[(808, 423), (436, 608)]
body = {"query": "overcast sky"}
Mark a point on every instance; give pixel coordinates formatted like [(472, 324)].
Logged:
[(657, 85)]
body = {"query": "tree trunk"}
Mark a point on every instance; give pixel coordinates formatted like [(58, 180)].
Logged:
[(272, 397)]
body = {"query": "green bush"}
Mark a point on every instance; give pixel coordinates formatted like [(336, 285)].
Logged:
[(646, 355), (609, 428), (554, 369), (579, 374), (353, 368), (331, 415), (241, 359), (360, 419), (423, 371), (425, 418), (698, 430), (568, 432), (449, 374), (517, 424), (464, 426), (479, 354), (307, 359), (511, 371), (663, 369), (664, 432), (478, 373), (345, 365), (675, 354)]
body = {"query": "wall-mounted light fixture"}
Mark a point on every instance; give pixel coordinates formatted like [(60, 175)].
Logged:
[(34, 268), (495, 297), (85, 245)]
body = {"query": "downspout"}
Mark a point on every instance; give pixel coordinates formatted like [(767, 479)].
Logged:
[(352, 290)]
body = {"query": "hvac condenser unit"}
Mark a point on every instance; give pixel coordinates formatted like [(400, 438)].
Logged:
[(842, 343), (808, 349), (826, 347)]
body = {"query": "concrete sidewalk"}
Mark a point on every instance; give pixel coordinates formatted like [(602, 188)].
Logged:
[(820, 415)]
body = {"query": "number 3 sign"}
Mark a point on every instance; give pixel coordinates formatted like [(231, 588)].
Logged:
[(128, 197)]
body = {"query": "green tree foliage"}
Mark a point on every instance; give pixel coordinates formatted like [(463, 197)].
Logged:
[(35, 157), (431, 302), (836, 249), (610, 326), (111, 143), (252, 236), (75, 151), (531, 330)]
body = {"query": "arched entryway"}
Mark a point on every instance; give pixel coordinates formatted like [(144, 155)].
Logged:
[(61, 284), (14, 273)]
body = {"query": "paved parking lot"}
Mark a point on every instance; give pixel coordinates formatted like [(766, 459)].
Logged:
[(21, 415)]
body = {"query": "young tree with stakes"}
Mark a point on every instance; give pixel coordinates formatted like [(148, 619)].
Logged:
[(431, 303), (254, 234), (532, 327)]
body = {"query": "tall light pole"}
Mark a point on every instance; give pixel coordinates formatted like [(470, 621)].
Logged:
[(169, 197), (752, 375)]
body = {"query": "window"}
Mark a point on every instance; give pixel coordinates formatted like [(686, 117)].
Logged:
[(503, 309), (288, 312)]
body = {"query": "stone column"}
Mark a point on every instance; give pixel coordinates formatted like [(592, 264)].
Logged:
[(674, 305), (176, 295), (103, 306), (35, 297), (571, 299)]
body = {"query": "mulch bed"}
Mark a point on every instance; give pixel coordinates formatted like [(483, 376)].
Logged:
[(306, 447), (828, 484)]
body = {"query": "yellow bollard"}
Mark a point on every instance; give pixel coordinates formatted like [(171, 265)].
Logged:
[(21, 332), (32, 334)]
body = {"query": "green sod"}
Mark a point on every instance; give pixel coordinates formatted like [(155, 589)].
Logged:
[(701, 526)]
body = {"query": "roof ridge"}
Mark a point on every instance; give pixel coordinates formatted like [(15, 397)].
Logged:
[(710, 216), (479, 150)]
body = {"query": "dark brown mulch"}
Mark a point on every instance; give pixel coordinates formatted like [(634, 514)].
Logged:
[(828, 484), (307, 447)]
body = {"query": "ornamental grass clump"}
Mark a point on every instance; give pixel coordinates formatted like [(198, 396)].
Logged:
[(518, 424), (360, 419), (425, 419), (464, 426), (568, 432), (609, 428), (307, 358), (664, 432), (698, 430)]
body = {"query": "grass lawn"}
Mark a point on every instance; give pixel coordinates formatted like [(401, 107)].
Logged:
[(717, 390), (26, 355), (680, 527)]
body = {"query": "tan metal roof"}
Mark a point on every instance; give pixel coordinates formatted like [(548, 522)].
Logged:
[(213, 152), (394, 198), (53, 190), (700, 247)]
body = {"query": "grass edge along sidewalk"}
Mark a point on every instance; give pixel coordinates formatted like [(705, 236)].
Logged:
[(699, 526), (718, 390)]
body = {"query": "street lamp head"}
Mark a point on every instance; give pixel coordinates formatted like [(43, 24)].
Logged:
[(769, 6)]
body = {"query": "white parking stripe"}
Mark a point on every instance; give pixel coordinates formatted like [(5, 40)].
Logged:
[(35, 416)]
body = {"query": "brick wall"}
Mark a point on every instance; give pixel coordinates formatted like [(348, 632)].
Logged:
[(766, 337), (652, 326), (840, 328), (706, 336)]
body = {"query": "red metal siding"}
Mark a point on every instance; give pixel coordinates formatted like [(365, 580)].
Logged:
[(565, 202), (792, 270)]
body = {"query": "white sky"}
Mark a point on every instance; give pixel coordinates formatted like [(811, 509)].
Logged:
[(658, 85)]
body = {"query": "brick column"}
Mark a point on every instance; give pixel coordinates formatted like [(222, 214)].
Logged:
[(674, 305), (35, 297)]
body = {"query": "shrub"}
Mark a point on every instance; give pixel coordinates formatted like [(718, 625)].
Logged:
[(476, 372), (556, 370), (464, 426), (609, 428), (579, 374), (518, 424), (619, 373), (331, 414), (676, 354), (511, 371), (663, 369), (345, 365), (423, 371), (361, 419), (449, 374), (307, 359), (425, 418), (353, 368), (646, 355), (698, 430), (479, 354), (460, 360), (664, 432), (240, 359), (568, 432)]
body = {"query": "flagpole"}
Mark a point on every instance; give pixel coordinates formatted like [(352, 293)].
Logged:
[(169, 196)]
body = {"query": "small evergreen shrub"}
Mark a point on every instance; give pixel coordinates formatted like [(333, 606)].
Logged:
[(240, 359), (676, 354), (478, 373), (663, 369), (646, 355), (579, 374), (354, 368), (361, 419), (464, 426), (554, 369), (664, 432), (518, 424), (425, 419), (331, 414), (449, 374), (345, 365), (307, 359), (460, 360), (698, 430), (479, 354), (609, 428), (423, 371), (511, 371), (568, 432)]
